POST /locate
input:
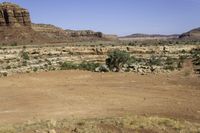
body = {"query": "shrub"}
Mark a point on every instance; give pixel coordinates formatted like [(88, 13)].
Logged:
[(90, 66), (68, 66), (24, 63), (14, 44), (35, 69), (170, 61), (171, 68), (196, 56), (8, 67), (25, 55), (155, 61), (116, 59), (5, 74)]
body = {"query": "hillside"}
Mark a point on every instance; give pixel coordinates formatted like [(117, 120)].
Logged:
[(193, 34), (16, 28)]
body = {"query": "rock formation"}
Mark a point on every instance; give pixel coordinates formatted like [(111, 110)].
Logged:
[(84, 33), (16, 28), (13, 15)]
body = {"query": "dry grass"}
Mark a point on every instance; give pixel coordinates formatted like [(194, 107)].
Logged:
[(106, 125)]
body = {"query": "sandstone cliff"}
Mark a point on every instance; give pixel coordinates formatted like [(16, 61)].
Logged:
[(16, 27), (13, 15)]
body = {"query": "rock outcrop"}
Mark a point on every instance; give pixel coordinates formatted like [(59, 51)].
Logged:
[(13, 15), (16, 28), (84, 33)]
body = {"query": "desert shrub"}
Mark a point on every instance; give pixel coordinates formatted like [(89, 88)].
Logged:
[(183, 51), (35, 69), (25, 55), (171, 68), (8, 61), (157, 61), (8, 67), (117, 58), (14, 44), (196, 59), (68, 66), (5, 74), (170, 61), (90, 66), (132, 60), (24, 63)]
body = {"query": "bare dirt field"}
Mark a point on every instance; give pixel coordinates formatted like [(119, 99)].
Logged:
[(65, 94)]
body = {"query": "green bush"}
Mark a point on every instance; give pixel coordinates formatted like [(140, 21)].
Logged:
[(8, 67), (196, 56), (157, 61), (90, 66), (25, 55), (68, 66), (35, 69), (116, 59), (14, 44)]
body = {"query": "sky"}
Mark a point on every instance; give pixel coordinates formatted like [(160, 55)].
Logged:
[(121, 17)]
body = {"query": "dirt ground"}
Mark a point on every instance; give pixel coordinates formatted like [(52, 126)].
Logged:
[(81, 94)]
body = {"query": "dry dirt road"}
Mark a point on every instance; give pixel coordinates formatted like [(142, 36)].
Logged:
[(63, 94)]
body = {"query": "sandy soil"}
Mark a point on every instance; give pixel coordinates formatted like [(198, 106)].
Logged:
[(63, 94)]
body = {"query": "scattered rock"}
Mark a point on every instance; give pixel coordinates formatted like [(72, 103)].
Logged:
[(102, 68), (52, 131)]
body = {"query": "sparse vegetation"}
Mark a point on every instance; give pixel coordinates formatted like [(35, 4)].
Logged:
[(129, 123), (25, 55), (90, 66), (35, 69), (68, 66), (158, 76), (116, 59)]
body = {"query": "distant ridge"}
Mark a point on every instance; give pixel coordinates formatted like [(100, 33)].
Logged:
[(139, 36), (193, 34), (150, 35)]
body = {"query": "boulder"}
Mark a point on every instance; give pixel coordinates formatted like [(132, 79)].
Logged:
[(102, 68)]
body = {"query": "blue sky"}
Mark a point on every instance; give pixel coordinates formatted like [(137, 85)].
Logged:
[(120, 17)]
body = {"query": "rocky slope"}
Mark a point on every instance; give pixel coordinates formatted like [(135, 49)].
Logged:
[(57, 34), (193, 34)]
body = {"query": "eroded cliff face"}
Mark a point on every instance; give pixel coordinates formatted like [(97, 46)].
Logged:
[(13, 15), (16, 28)]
